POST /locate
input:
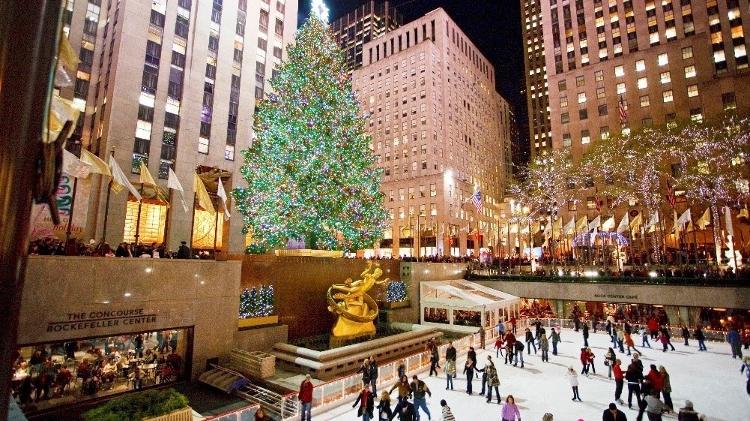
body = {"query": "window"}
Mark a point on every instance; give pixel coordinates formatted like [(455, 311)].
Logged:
[(687, 53), (181, 27), (642, 83), (153, 52), (640, 65), (157, 19), (277, 52), (621, 88), (210, 71), (728, 101), (203, 145), (690, 71), (696, 115), (563, 101), (580, 81), (600, 93), (667, 96), (645, 101), (604, 132), (665, 77), (583, 114), (692, 91), (213, 42), (582, 97), (599, 76), (561, 86), (279, 28), (602, 109), (564, 118), (585, 137), (263, 21), (663, 59), (566, 140), (619, 71)]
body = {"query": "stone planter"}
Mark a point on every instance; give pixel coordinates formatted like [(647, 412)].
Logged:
[(185, 414), (309, 253), (257, 321), (393, 305)]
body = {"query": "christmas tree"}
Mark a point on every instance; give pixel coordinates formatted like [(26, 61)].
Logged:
[(311, 174)]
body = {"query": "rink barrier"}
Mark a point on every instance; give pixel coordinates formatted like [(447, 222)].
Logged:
[(675, 332), (244, 413)]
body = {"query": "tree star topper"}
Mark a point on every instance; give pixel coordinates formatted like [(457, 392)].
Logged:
[(320, 10)]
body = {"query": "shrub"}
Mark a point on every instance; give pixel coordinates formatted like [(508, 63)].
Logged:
[(137, 406)]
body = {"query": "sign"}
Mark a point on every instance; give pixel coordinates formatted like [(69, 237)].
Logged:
[(98, 319), (41, 223), (616, 296)]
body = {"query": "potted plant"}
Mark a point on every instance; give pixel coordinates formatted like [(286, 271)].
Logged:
[(151, 405)]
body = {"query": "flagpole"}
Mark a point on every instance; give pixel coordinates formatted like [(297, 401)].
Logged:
[(106, 203), (68, 230), (216, 228), (138, 219), (192, 221)]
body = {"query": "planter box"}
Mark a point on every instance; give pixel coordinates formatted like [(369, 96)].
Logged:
[(393, 305), (257, 321), (309, 253), (185, 414), (253, 363)]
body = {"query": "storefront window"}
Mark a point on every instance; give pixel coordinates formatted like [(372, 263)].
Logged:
[(52, 374), (436, 315), (467, 318)]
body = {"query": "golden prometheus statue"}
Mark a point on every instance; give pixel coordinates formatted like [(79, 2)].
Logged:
[(354, 307)]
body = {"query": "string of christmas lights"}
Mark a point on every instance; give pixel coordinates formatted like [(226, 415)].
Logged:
[(256, 302)]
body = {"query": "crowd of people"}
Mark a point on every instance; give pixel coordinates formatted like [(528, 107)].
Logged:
[(94, 367), (75, 247)]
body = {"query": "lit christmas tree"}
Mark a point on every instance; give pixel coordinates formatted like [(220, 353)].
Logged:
[(311, 174), (256, 302)]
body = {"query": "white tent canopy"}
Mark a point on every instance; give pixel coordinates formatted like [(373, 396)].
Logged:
[(464, 304)]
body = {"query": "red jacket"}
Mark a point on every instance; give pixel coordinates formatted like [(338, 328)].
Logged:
[(653, 325), (617, 372), (510, 339), (656, 380), (305, 392)]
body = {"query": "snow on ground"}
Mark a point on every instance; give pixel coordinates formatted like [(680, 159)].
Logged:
[(711, 380)]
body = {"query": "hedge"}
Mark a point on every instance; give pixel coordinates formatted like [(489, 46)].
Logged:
[(137, 406)]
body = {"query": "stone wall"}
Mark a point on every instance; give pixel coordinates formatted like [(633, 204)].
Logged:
[(77, 292), (261, 338)]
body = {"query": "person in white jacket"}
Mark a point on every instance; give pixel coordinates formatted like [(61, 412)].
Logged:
[(573, 379)]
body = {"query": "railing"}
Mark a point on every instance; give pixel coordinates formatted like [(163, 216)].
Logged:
[(493, 275), (245, 413), (675, 332), (336, 392)]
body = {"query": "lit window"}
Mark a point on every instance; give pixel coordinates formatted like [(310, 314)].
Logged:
[(563, 101), (687, 53), (719, 56), (667, 96), (642, 83), (671, 33), (585, 137), (692, 91), (619, 71), (203, 145), (600, 93), (689, 71), (645, 101), (599, 76), (143, 130), (665, 77), (620, 88), (640, 65), (653, 38), (740, 51), (663, 59), (582, 97), (229, 153)]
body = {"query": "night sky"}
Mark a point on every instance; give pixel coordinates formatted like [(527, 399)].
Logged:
[(492, 25)]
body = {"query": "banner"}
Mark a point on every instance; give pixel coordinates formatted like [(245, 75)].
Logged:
[(41, 223)]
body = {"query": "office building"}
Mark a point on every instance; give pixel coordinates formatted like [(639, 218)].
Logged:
[(440, 132), (537, 93), (370, 21)]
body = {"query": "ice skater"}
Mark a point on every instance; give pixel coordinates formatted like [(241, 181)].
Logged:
[(544, 346), (530, 341), (469, 371), (585, 333), (519, 354), (510, 411), (685, 334), (701, 338), (619, 376), (573, 380), (644, 338), (555, 338)]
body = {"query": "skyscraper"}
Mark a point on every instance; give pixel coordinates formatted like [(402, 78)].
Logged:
[(537, 93), (440, 132), (172, 84), (358, 27)]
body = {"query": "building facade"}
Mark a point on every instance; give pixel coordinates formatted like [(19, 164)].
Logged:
[(440, 133), (172, 84), (536, 88), (371, 20), (621, 65)]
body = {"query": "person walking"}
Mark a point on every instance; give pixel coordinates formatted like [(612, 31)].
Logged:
[(544, 346), (609, 361), (519, 354), (654, 381), (366, 402), (510, 411), (584, 357), (685, 334), (619, 376), (573, 380), (654, 407), (513, 325), (555, 338), (666, 388), (471, 354), (419, 389), (530, 341), (384, 407), (585, 333), (447, 414), (450, 374), (735, 341), (469, 371), (644, 338), (634, 377), (493, 380), (701, 338), (305, 398), (653, 327), (613, 414), (374, 376)]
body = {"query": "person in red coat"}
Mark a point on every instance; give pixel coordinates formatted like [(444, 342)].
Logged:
[(653, 327), (510, 342), (584, 361), (305, 398), (619, 376), (655, 380)]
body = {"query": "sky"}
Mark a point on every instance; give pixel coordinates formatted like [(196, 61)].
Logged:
[(494, 26)]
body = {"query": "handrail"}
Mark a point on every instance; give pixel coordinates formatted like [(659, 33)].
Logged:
[(237, 412), (628, 280)]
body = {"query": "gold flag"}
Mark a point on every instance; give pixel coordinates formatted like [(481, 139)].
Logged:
[(97, 165), (636, 222), (204, 201), (67, 55), (146, 178), (704, 220), (582, 224)]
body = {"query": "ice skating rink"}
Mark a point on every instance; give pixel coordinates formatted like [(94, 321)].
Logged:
[(711, 380)]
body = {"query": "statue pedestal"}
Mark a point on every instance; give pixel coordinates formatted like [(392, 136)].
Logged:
[(345, 331)]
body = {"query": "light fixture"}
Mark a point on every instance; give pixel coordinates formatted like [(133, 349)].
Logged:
[(127, 294)]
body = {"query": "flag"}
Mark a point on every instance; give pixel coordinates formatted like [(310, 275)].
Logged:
[(704, 220), (582, 224), (623, 111), (204, 200), (651, 226), (74, 167), (146, 179), (624, 223), (595, 223), (568, 229), (97, 165), (547, 230), (223, 196), (608, 224), (120, 180), (174, 183), (476, 199), (636, 222), (671, 198), (685, 218), (728, 220)]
